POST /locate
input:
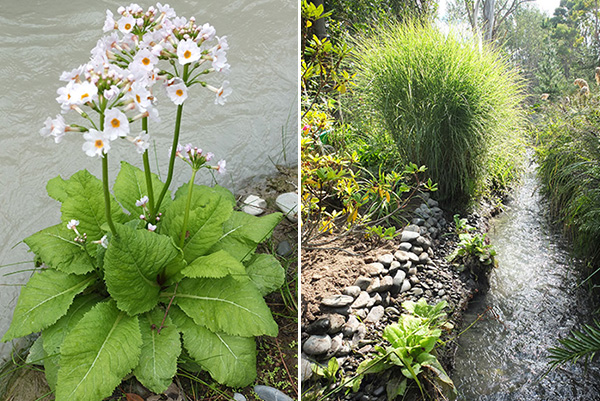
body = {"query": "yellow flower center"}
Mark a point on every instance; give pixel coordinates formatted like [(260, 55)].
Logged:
[(115, 123), (99, 144), (84, 96), (187, 54), (179, 92), (127, 27), (137, 97), (145, 61)]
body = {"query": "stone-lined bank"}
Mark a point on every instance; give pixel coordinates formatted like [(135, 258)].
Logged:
[(350, 319)]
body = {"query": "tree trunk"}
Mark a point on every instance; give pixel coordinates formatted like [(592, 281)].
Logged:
[(488, 18), (319, 25)]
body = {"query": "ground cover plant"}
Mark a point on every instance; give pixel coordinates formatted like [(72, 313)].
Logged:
[(447, 105), (132, 280)]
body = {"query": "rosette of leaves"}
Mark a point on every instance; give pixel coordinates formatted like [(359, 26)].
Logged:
[(135, 306), (411, 354), (474, 253)]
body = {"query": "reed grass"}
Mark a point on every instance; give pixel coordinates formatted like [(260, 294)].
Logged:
[(446, 104)]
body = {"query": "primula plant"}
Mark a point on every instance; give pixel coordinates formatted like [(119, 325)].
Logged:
[(132, 280)]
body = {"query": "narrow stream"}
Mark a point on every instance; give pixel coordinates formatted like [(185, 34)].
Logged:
[(535, 299)]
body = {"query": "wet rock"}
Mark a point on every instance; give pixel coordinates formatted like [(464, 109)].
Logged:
[(284, 248), (432, 203), (317, 344), (417, 221), (361, 301), (363, 282), (319, 326), (288, 204), (267, 393), (337, 301)]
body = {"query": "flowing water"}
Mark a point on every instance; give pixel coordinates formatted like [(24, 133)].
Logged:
[(535, 300), (254, 131)]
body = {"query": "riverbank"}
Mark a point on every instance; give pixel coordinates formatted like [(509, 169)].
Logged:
[(354, 289)]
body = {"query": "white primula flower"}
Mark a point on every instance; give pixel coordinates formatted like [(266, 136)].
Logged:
[(145, 59), (116, 124), (221, 93), (141, 142), (109, 23), (83, 93), (207, 32), (188, 52), (177, 92), (167, 10), (221, 166), (54, 127), (104, 242), (126, 24), (140, 95), (97, 143), (111, 93), (219, 60), (73, 75), (72, 224), (151, 227), (142, 202)]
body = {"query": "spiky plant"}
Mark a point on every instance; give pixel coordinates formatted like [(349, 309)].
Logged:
[(579, 344)]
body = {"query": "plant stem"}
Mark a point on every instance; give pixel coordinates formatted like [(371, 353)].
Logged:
[(174, 146), (148, 173), (187, 208), (105, 184), (107, 194)]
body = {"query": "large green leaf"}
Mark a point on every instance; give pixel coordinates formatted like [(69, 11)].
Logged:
[(158, 360), (130, 186), (54, 335), (231, 360), (226, 305), (46, 297), (132, 263), (99, 351), (243, 232), (208, 210), (56, 248), (82, 199), (266, 273), (216, 265)]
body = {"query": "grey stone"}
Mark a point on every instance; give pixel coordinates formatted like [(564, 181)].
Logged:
[(359, 334), (372, 301), (267, 393), (399, 278), (390, 310), (385, 259), (254, 205), (441, 292), (405, 286), (317, 345), (288, 204), (414, 280), (423, 242), (413, 257), (401, 256), (374, 269), (377, 298), (412, 227), (378, 391), (350, 326), (412, 271), (417, 221), (432, 203), (375, 314), (306, 371), (374, 285), (417, 291), (361, 301), (337, 321), (363, 282), (424, 230), (423, 258), (386, 299), (240, 397), (284, 248), (336, 344), (417, 250), (405, 246), (436, 210), (386, 283), (362, 313), (344, 349), (352, 291), (337, 301), (409, 236)]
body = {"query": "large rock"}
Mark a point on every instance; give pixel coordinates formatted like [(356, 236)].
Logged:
[(254, 205), (288, 204), (375, 314), (337, 301), (317, 345), (267, 393)]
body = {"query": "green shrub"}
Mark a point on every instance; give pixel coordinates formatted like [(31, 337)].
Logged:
[(447, 105)]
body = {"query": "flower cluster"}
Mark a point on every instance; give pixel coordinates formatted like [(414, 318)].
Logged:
[(118, 82), (143, 203), (197, 159)]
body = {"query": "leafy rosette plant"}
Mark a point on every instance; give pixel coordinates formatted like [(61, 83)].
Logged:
[(130, 281)]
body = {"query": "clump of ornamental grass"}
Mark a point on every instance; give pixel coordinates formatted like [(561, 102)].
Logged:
[(447, 104), (135, 280)]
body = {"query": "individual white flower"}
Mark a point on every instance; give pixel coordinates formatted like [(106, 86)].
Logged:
[(142, 202), (126, 24), (116, 124), (207, 32), (103, 241), (140, 95), (72, 224), (188, 51), (221, 166), (111, 93), (167, 10), (145, 59), (109, 22), (221, 93), (83, 93), (73, 75), (219, 60), (222, 43), (97, 143), (209, 156), (177, 92), (141, 142), (54, 127), (151, 227)]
